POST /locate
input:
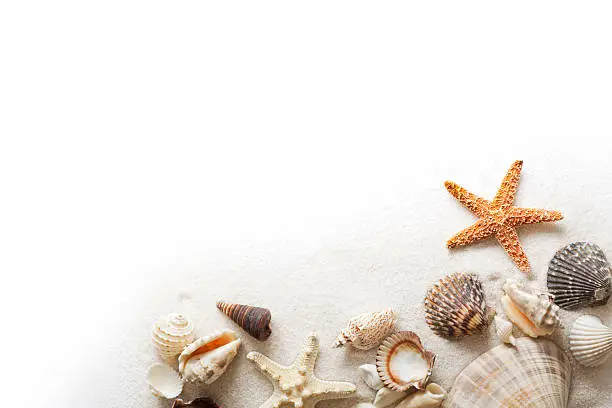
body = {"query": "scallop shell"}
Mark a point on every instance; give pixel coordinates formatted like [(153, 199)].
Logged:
[(207, 358), (432, 396), (534, 374), (403, 363), (164, 381), (171, 334), (503, 328), (255, 320), (368, 330), (370, 376), (579, 275), (202, 402), (386, 397), (455, 306), (533, 312), (590, 341)]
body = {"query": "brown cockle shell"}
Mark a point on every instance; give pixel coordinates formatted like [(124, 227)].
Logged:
[(455, 306), (255, 320)]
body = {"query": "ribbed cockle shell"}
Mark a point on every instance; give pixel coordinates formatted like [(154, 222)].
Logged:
[(255, 320), (590, 341)]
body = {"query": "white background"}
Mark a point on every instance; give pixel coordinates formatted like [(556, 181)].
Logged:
[(155, 154)]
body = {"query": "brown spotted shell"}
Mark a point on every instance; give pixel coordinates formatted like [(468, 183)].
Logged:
[(455, 306), (255, 320)]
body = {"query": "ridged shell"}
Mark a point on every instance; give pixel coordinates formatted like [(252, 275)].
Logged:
[(403, 363), (202, 402), (164, 381), (503, 328), (207, 358), (455, 306), (533, 312), (432, 396), (534, 374), (590, 341), (368, 330), (171, 334), (579, 275), (255, 320)]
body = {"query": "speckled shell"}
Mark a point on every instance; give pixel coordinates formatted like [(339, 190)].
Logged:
[(255, 320), (368, 330), (534, 374), (207, 358), (590, 341), (579, 276), (403, 363), (171, 334), (202, 402), (455, 306), (163, 381)]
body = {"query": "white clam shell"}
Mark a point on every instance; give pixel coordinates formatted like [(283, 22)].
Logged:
[(207, 358), (430, 397), (171, 334), (533, 312), (164, 381), (590, 341), (503, 328), (370, 376), (386, 397)]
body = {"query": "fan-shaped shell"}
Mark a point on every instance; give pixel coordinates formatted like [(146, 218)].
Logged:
[(455, 306), (402, 362), (532, 311), (579, 275), (207, 358), (368, 330), (255, 320), (534, 374), (590, 341), (171, 334), (164, 381)]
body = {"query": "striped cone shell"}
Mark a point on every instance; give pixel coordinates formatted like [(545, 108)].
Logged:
[(255, 320), (534, 374), (579, 276), (455, 306)]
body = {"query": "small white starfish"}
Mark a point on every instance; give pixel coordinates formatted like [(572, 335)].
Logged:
[(296, 385)]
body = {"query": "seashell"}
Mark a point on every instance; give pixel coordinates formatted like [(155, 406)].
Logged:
[(164, 381), (455, 306), (368, 330), (579, 275), (370, 376), (202, 402), (171, 334), (503, 328), (386, 397), (431, 397), (403, 363), (533, 312), (590, 341), (535, 373), (364, 405), (208, 357), (255, 320)]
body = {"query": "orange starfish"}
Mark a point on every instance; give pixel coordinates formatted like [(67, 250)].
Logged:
[(499, 217)]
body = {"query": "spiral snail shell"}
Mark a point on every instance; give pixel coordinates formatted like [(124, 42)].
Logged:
[(254, 320), (171, 334)]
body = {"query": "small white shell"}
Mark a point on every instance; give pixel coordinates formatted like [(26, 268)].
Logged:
[(207, 358), (164, 381), (503, 329), (386, 397), (590, 341), (171, 334), (370, 376), (430, 397)]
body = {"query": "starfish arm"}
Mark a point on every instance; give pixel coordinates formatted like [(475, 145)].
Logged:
[(268, 367), (509, 240), (325, 390), (505, 195), (308, 355), (479, 230), (518, 216), (475, 204)]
